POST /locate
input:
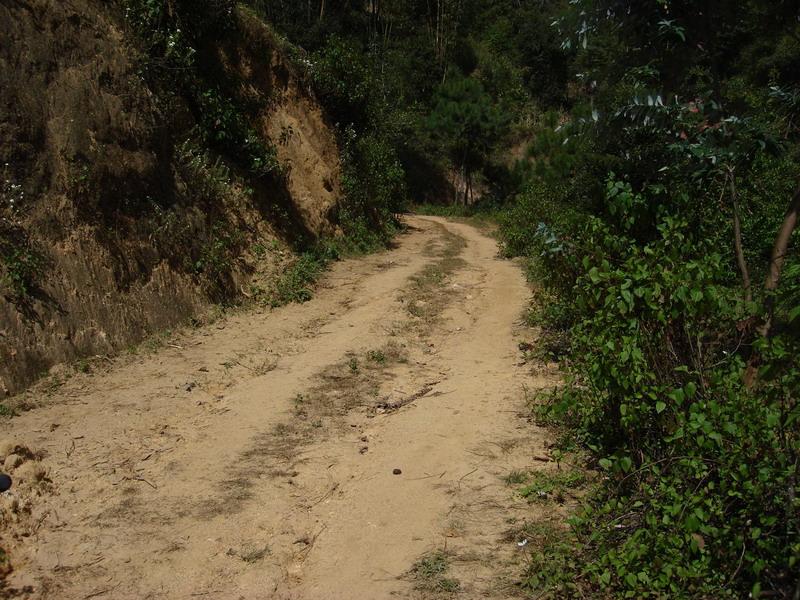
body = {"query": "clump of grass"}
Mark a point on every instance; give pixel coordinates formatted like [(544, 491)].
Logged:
[(296, 284), (377, 356), (157, 341), (544, 486), (251, 554), (516, 477), (299, 408), (425, 299), (552, 553), (430, 574)]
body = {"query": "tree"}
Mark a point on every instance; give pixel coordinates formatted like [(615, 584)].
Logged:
[(467, 123)]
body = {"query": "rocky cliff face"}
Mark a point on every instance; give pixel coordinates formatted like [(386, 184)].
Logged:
[(116, 219)]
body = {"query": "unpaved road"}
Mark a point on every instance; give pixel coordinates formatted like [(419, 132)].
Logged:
[(255, 457)]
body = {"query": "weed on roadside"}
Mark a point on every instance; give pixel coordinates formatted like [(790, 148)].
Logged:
[(21, 264), (429, 574), (377, 356), (516, 477), (425, 298), (551, 556), (250, 554), (552, 486)]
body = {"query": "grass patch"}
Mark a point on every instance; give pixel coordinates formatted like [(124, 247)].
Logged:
[(250, 554), (516, 477), (296, 283), (377, 356), (315, 411), (430, 572), (424, 298), (552, 486), (156, 342), (552, 558)]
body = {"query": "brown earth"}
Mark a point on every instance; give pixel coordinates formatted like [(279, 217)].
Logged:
[(116, 216), (317, 451)]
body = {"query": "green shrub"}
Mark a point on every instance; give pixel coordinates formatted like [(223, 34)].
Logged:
[(295, 284), (170, 36), (20, 267), (701, 496)]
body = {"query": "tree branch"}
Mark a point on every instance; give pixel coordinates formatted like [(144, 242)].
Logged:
[(779, 250), (737, 241)]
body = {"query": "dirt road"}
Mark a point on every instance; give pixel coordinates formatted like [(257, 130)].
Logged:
[(317, 451)]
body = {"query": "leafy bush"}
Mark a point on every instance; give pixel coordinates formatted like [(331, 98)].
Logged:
[(170, 37), (701, 498), (295, 284), (20, 265)]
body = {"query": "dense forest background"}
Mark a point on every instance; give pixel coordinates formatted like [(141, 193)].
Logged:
[(644, 157)]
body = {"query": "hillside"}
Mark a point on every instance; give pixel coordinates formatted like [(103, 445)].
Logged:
[(127, 203)]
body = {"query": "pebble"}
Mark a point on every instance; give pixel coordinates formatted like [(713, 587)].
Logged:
[(397, 472)]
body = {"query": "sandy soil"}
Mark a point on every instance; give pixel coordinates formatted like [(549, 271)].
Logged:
[(256, 457)]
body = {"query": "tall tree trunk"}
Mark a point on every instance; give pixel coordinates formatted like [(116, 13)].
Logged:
[(779, 250), (737, 241), (467, 176)]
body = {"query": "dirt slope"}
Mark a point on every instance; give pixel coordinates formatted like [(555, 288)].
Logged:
[(118, 218), (255, 458)]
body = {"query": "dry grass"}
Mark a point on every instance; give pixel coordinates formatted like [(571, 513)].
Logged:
[(425, 299), (351, 383), (430, 575)]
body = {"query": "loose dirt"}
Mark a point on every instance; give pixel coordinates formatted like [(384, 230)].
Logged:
[(353, 447)]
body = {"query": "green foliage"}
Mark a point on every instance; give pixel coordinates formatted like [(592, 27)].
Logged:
[(552, 566), (702, 468), (171, 36), (207, 177), (372, 179), (20, 266), (545, 485), (627, 217), (225, 127), (295, 284), (466, 120), (344, 80)]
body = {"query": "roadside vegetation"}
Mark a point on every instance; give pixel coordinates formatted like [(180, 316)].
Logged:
[(659, 214)]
